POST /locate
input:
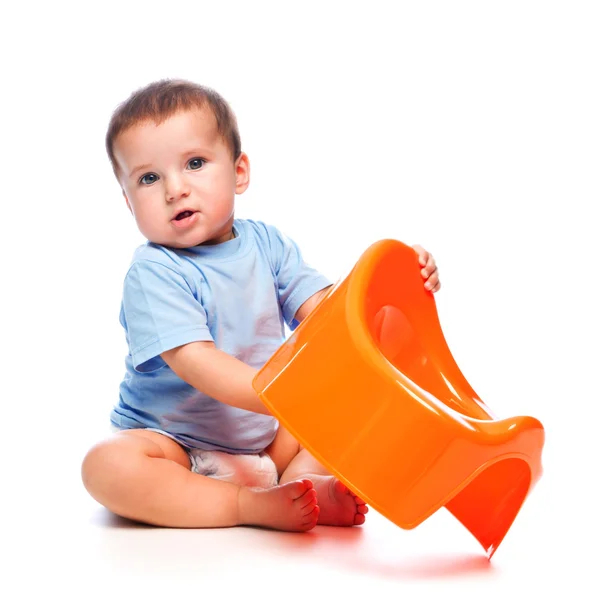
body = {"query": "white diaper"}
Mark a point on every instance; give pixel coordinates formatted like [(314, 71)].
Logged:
[(250, 470)]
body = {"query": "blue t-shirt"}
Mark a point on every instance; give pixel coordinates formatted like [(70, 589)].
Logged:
[(237, 294)]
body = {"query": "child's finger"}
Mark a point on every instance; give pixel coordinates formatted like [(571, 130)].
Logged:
[(422, 254), (430, 266), (433, 283)]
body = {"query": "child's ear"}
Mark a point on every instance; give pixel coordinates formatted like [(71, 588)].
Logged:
[(242, 173), (127, 201)]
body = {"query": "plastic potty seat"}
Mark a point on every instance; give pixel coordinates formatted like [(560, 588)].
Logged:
[(368, 385)]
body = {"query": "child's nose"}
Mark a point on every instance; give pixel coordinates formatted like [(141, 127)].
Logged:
[(176, 188)]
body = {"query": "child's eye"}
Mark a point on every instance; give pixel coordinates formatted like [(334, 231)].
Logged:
[(196, 163), (148, 178)]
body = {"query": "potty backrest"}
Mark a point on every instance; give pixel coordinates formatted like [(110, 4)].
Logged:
[(402, 321)]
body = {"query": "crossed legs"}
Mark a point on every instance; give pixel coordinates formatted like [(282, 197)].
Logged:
[(145, 476)]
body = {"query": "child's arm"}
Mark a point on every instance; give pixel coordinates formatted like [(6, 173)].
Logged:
[(220, 375), (429, 272), (216, 374), (310, 304)]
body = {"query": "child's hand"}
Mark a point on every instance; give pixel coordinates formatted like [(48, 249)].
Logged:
[(429, 270)]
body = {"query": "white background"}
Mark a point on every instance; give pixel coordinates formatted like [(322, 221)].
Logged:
[(472, 128)]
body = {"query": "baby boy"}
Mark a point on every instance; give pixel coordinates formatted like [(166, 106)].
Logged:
[(205, 303)]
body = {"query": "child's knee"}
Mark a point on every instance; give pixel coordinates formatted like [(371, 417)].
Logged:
[(112, 465), (111, 462), (101, 465)]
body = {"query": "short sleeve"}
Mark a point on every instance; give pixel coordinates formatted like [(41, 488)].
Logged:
[(159, 312), (296, 280)]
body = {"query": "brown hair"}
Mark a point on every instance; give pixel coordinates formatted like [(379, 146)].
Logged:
[(160, 100)]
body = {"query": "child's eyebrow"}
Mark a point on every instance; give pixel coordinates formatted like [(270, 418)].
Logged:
[(139, 168), (196, 150)]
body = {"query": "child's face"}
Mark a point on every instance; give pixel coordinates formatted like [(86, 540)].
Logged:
[(179, 179)]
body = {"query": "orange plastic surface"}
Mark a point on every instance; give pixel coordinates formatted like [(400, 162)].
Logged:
[(368, 385)]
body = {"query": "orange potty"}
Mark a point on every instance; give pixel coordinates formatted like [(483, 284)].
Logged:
[(368, 385)]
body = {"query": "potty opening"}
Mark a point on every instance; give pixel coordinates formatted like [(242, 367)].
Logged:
[(402, 347)]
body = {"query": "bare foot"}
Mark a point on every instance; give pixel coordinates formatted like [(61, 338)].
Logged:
[(338, 505), (288, 507)]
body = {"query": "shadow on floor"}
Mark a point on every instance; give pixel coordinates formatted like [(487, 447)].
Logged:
[(343, 549)]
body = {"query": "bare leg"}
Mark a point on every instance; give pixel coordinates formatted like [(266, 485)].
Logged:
[(145, 476), (338, 505)]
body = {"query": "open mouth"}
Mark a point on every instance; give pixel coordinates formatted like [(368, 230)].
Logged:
[(184, 215), (185, 218)]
